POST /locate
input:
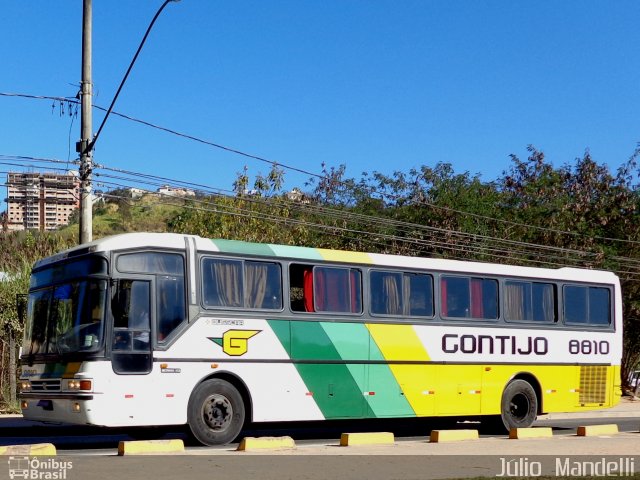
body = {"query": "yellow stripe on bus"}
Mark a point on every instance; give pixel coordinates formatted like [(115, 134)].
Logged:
[(400, 343), (343, 256)]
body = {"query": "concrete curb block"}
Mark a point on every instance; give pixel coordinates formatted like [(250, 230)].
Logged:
[(537, 432), (372, 438), (150, 447), (38, 449), (265, 443), (438, 436), (596, 430)]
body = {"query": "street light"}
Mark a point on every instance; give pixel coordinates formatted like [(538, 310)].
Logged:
[(86, 144)]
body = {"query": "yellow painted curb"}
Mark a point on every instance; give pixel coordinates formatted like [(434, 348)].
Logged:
[(595, 430), (438, 436), (38, 449), (265, 443), (372, 438), (150, 447), (539, 432)]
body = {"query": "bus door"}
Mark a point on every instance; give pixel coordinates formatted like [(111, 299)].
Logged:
[(131, 336)]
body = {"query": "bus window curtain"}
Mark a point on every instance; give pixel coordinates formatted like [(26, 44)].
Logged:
[(514, 301), (319, 290), (477, 308), (548, 304), (337, 290), (406, 294), (307, 290), (228, 283), (256, 283), (392, 295)]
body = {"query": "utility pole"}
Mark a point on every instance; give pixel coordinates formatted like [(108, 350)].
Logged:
[(84, 145), (87, 141)]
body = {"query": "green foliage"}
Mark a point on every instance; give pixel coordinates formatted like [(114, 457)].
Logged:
[(578, 209), (18, 252)]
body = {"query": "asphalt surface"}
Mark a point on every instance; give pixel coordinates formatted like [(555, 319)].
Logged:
[(321, 438)]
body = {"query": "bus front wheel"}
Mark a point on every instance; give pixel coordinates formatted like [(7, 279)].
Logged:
[(215, 412), (519, 406)]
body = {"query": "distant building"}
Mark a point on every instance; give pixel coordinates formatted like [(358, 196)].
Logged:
[(296, 195), (41, 201), (137, 192), (176, 192)]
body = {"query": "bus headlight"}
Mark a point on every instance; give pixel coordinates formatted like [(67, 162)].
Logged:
[(78, 385), (25, 386)]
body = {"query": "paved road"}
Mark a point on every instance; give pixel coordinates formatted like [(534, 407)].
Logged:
[(317, 457), (82, 440)]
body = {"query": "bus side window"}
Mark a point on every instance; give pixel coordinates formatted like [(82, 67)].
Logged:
[(263, 282), (222, 283), (587, 305), (301, 288), (171, 305), (469, 297), (337, 289), (529, 301)]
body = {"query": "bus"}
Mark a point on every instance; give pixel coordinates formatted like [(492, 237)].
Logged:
[(156, 329)]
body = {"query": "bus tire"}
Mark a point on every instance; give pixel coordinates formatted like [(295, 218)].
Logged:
[(216, 412), (519, 406)]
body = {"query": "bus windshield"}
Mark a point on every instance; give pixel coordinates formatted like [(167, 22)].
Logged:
[(66, 317)]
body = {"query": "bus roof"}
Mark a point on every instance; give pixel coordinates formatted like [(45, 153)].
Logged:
[(127, 241)]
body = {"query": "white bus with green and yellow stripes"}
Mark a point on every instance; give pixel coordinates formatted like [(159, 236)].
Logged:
[(167, 329)]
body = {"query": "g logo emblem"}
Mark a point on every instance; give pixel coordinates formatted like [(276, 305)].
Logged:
[(235, 343)]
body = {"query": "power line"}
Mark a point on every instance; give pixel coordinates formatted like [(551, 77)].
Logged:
[(486, 250), (405, 227), (316, 175)]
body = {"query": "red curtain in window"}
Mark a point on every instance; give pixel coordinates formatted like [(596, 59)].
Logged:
[(477, 310), (443, 297), (307, 290)]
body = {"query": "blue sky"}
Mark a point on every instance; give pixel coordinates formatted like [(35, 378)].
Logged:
[(374, 84)]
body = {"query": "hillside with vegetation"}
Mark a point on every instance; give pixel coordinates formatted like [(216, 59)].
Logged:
[(580, 214)]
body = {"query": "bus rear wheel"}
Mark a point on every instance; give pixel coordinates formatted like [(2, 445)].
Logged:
[(519, 406), (216, 412)]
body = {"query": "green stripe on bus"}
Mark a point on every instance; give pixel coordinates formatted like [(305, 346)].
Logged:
[(388, 399), (377, 384), (304, 253), (282, 330), (245, 248), (333, 385)]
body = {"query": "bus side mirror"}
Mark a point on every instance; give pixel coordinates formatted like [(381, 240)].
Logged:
[(21, 307)]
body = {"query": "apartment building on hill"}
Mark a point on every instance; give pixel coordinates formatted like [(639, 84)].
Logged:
[(40, 201)]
